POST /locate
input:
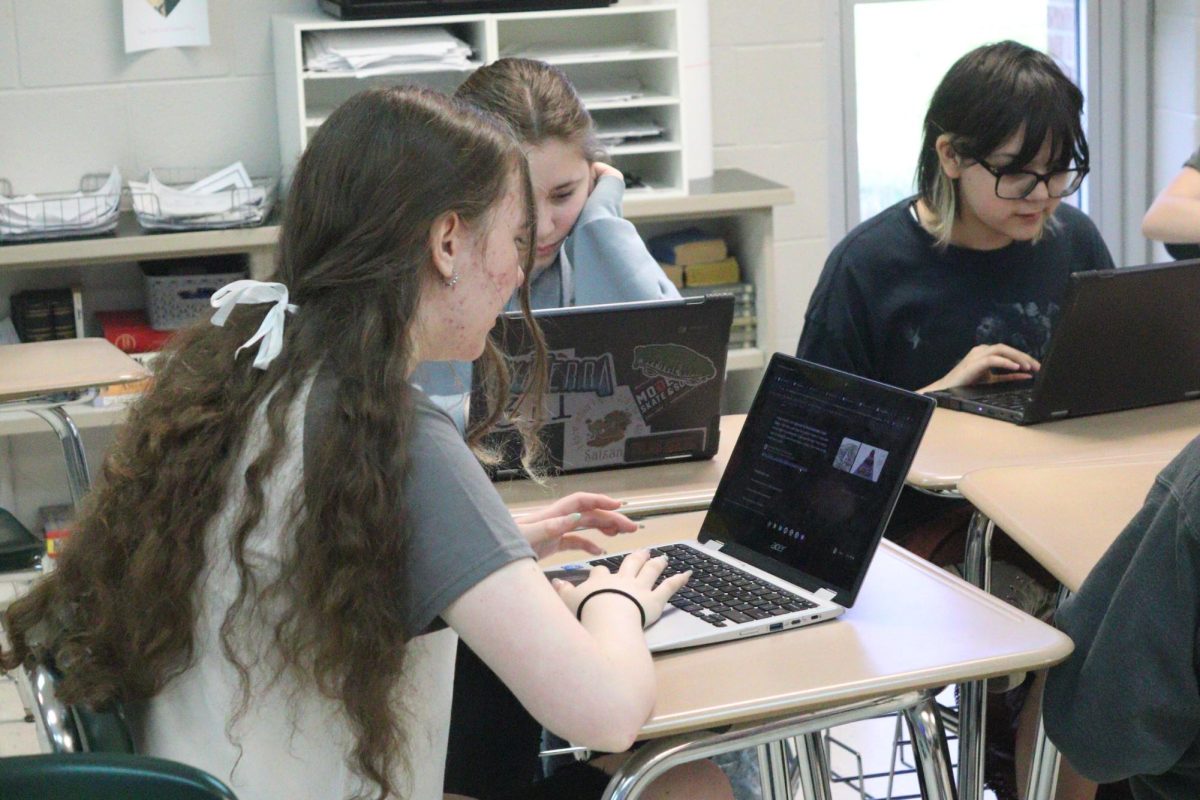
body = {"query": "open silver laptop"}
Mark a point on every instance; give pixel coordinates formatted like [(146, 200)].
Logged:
[(799, 511)]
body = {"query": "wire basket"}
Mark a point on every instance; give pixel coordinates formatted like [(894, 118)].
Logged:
[(90, 211), (232, 207)]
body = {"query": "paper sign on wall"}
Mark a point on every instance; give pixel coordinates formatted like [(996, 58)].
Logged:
[(151, 24)]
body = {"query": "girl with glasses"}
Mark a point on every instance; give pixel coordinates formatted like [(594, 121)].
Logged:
[(962, 283)]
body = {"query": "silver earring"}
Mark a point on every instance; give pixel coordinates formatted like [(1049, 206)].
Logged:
[(452, 281)]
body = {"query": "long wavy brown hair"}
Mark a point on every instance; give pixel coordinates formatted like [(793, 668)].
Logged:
[(118, 616)]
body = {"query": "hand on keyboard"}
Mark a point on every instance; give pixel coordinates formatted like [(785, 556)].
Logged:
[(638, 575), (988, 363)]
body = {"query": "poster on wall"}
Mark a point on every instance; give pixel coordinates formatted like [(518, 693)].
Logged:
[(151, 24)]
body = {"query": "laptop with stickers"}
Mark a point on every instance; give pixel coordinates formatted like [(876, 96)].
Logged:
[(630, 384), (799, 511)]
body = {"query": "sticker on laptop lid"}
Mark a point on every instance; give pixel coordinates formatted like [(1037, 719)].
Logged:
[(672, 370), (597, 429)]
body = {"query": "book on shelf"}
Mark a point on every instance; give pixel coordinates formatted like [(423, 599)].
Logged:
[(42, 315), (742, 292), (712, 273), (55, 522), (705, 275), (130, 331), (686, 247)]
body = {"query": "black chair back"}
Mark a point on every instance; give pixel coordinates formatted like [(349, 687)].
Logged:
[(106, 776), (72, 728)]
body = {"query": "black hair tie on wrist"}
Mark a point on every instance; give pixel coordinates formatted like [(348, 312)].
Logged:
[(632, 599)]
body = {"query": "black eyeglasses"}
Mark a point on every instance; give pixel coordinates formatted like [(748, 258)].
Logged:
[(1018, 184)]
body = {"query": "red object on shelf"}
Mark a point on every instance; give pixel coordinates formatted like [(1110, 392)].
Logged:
[(130, 331)]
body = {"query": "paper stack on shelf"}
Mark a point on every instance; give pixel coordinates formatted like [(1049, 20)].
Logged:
[(227, 198), (56, 215), (546, 51), (618, 90), (384, 51), (614, 129)]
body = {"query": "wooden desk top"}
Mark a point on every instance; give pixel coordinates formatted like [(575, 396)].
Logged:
[(1064, 515), (957, 443), (914, 627), (40, 368), (658, 489)]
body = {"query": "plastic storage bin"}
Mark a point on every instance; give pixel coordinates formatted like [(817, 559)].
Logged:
[(178, 290)]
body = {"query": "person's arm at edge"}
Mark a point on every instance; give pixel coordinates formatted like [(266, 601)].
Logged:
[(610, 261), (1104, 707), (1174, 216), (591, 683)]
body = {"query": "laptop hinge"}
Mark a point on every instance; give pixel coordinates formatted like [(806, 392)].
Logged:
[(714, 544), (1191, 395), (825, 595), (1059, 414)]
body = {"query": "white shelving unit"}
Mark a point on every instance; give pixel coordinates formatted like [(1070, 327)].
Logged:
[(600, 50), (733, 204)]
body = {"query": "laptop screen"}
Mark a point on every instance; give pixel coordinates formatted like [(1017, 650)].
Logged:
[(815, 474), (629, 383)]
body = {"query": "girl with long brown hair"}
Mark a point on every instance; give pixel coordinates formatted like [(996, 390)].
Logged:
[(281, 535)]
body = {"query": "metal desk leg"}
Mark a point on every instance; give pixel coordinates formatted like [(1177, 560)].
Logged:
[(972, 709), (814, 766), (78, 478), (929, 748), (776, 783), (658, 755), (1043, 769)]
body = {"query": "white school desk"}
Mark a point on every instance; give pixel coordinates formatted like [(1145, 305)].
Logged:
[(667, 488), (914, 629), (957, 443), (29, 372), (1065, 516)]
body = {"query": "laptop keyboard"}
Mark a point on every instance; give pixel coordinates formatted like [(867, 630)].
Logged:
[(1016, 400), (718, 592)]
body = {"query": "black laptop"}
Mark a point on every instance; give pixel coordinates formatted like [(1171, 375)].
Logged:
[(1126, 338), (630, 383), (799, 511)]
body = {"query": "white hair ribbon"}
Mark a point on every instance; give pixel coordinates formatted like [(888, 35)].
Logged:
[(271, 329)]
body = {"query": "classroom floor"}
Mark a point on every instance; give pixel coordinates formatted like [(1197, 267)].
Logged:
[(861, 755)]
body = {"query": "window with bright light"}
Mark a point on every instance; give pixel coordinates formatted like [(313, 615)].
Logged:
[(902, 48)]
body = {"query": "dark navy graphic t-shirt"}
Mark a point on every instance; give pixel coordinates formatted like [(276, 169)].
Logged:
[(892, 307)]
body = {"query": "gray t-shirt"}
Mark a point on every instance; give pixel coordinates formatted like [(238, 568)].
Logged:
[(461, 531), (293, 742)]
